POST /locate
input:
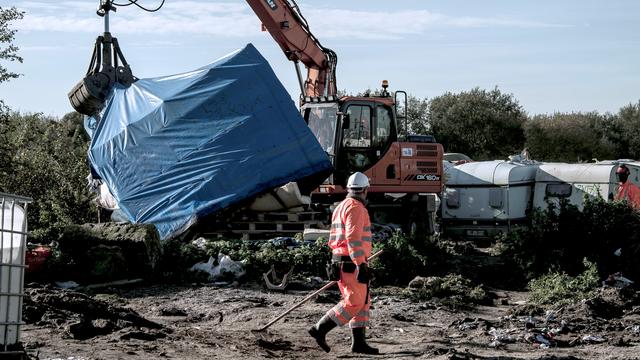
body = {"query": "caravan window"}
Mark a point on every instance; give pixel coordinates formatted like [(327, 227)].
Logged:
[(558, 190), (495, 198)]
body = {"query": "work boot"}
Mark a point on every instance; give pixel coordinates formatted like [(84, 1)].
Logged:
[(319, 331), (359, 344)]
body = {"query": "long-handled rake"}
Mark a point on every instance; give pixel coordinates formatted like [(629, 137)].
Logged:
[(306, 299)]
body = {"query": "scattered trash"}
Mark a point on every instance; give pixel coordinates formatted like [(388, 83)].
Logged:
[(36, 256), (285, 241), (271, 280), (400, 330), (315, 280), (225, 268), (199, 243), (67, 284), (382, 233), (550, 315), (468, 324), (617, 281), (312, 235), (543, 340), (401, 317), (562, 329), (593, 339), (530, 323), (502, 335)]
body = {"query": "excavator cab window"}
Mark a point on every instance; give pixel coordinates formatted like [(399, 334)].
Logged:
[(358, 134), (366, 137), (357, 139), (383, 127), (322, 120)]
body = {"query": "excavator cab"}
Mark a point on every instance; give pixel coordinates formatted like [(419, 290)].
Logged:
[(367, 133), (356, 132)]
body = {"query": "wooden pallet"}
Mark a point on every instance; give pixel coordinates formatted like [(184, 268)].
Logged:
[(303, 216)]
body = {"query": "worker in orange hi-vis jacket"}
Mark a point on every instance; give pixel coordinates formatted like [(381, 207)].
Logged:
[(626, 189), (350, 243)]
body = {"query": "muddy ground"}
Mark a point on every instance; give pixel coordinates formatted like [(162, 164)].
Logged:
[(205, 322)]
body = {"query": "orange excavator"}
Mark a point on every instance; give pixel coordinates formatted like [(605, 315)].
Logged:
[(359, 133)]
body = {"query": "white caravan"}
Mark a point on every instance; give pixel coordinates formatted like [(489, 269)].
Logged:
[(485, 198), (574, 182)]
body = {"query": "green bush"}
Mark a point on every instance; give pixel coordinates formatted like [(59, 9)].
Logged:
[(46, 159), (399, 263), (559, 288), (558, 238), (404, 258), (177, 257), (258, 257), (452, 290)]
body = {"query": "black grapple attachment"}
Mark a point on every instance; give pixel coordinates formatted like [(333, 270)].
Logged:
[(108, 66)]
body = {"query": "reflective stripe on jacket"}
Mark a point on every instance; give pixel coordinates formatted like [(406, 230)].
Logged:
[(351, 231)]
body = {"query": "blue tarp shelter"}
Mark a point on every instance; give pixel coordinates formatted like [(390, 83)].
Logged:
[(177, 148)]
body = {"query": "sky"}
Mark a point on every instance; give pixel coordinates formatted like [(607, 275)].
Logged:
[(572, 55)]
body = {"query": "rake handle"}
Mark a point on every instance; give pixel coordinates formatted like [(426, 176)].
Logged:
[(309, 297)]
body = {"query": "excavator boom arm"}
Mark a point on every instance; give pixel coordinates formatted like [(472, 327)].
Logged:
[(290, 30)]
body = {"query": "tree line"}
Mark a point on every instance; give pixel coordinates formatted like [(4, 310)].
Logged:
[(489, 124)]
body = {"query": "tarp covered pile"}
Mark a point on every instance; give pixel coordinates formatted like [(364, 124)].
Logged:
[(176, 148)]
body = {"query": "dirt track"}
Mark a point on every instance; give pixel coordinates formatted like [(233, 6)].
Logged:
[(208, 322)]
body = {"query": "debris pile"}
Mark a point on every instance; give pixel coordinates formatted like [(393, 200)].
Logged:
[(611, 316), (108, 251), (83, 317), (226, 268)]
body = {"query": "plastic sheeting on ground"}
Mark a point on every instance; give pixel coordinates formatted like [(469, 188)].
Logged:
[(176, 148)]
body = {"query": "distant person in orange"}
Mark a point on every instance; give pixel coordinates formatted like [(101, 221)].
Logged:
[(626, 189)]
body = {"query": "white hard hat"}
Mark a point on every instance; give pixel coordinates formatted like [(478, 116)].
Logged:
[(358, 180)]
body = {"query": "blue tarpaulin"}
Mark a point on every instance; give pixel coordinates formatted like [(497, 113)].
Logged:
[(174, 149)]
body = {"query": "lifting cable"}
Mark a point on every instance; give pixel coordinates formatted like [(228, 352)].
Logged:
[(135, 2)]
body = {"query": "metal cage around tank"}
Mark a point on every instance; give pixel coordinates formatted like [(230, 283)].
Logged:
[(13, 241)]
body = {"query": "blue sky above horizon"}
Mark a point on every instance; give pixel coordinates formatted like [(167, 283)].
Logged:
[(551, 55)]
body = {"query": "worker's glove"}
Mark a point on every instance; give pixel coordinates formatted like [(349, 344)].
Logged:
[(364, 273)]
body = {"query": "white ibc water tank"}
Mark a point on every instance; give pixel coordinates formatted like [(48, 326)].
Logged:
[(13, 229)]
